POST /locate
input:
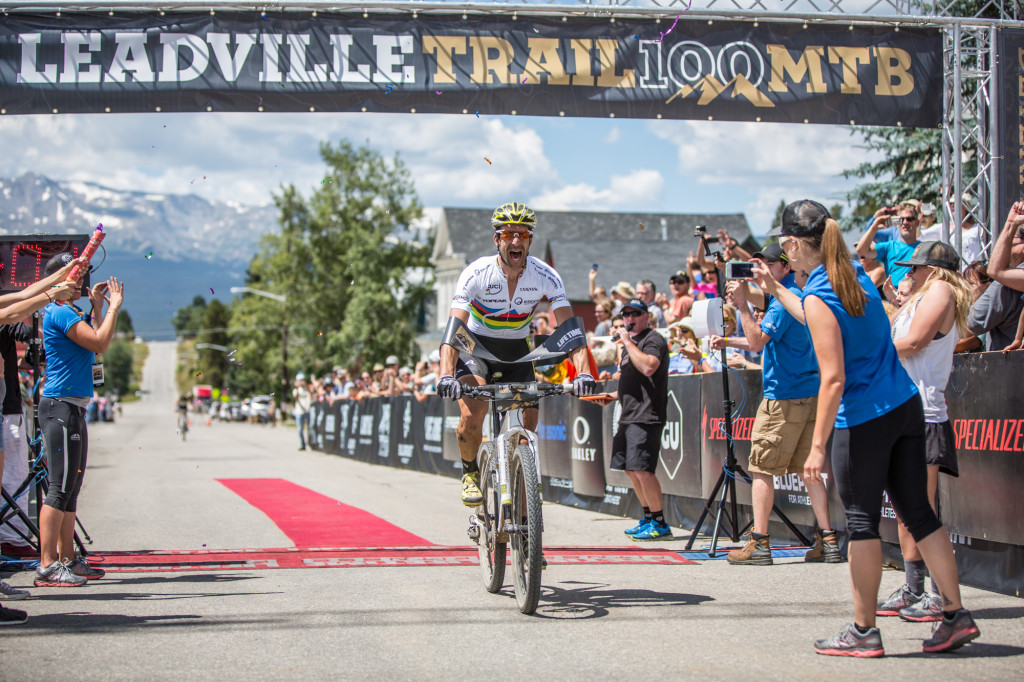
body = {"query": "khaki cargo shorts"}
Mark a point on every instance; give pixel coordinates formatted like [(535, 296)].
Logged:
[(781, 438)]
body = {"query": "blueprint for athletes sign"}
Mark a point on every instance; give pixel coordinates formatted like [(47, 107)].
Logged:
[(687, 69)]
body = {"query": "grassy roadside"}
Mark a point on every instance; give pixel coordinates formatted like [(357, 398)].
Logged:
[(140, 351)]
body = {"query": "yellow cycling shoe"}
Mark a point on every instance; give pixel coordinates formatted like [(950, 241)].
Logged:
[(471, 495)]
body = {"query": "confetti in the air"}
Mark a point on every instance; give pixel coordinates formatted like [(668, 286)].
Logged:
[(437, 92), (149, 256), (488, 161), (642, 226), (388, 91), (673, 24), (319, 333), (199, 374), (524, 81), (478, 113), (211, 290)]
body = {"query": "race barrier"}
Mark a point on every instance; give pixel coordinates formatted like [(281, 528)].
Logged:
[(982, 509)]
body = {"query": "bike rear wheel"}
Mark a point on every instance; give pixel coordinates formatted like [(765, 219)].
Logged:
[(492, 553), (527, 548)]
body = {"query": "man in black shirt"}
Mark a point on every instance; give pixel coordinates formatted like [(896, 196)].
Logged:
[(643, 395)]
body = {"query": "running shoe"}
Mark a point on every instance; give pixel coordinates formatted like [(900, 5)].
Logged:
[(58, 574), (12, 616), (897, 601), (949, 635), (82, 568), (653, 531), (638, 527), (928, 610), (471, 495), (849, 642), (12, 593)]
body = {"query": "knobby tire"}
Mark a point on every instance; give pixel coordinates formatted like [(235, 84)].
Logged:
[(492, 553), (527, 547)]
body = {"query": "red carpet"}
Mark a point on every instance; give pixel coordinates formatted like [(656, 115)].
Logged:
[(358, 557), (310, 519)]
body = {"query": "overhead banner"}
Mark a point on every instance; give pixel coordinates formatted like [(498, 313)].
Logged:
[(480, 65), (1010, 105)]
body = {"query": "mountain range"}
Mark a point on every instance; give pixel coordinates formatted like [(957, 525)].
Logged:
[(167, 248)]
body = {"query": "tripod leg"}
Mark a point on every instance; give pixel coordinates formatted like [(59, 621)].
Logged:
[(735, 519), (789, 524), (16, 511), (707, 508), (81, 547), (85, 533), (718, 519)]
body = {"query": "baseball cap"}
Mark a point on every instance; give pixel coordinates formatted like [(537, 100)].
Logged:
[(685, 323), (934, 253), (802, 219), (678, 277), (772, 253), (391, 360), (928, 209), (435, 356), (635, 304), (378, 367)]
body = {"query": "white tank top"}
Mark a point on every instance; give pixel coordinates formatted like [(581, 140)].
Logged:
[(930, 367)]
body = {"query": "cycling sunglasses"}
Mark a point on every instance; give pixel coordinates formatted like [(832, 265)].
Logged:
[(509, 235)]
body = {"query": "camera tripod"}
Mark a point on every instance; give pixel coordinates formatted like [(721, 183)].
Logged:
[(726, 483)]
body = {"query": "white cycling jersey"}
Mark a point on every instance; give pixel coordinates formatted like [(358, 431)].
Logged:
[(482, 291)]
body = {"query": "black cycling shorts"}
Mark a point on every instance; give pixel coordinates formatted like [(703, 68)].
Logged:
[(887, 454), (66, 440), (491, 371)]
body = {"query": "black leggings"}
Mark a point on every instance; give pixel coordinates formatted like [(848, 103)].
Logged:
[(66, 440), (886, 453)]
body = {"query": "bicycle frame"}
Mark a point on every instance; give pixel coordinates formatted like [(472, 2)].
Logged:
[(506, 438)]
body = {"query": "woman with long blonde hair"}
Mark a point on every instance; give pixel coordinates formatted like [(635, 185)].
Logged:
[(925, 331), (878, 444)]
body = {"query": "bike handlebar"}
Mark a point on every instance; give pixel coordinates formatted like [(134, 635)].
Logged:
[(531, 389)]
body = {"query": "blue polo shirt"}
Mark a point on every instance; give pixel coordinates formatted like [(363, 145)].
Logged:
[(68, 365), (790, 368), (876, 382), (892, 251)]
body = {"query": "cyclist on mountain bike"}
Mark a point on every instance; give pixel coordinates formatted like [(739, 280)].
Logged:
[(495, 298), (183, 409)]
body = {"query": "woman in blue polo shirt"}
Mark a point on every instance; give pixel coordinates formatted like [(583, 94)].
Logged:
[(879, 442), (70, 343)]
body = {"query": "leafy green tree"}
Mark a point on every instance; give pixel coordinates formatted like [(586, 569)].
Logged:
[(213, 363), (117, 366), (188, 319), (124, 325), (354, 290)]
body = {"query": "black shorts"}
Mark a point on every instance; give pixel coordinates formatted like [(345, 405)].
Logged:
[(497, 371), (940, 447), (637, 447)]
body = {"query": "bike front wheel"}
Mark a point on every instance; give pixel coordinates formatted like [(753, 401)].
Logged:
[(492, 553), (527, 548)]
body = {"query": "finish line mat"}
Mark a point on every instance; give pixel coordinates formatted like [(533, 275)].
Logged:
[(357, 557)]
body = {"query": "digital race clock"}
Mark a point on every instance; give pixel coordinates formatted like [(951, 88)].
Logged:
[(23, 258)]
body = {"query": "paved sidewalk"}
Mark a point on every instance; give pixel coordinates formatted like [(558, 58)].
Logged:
[(147, 490)]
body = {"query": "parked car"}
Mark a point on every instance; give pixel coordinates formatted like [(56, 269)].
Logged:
[(259, 408)]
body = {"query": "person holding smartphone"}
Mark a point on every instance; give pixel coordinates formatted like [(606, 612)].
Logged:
[(889, 253), (71, 343), (874, 408)]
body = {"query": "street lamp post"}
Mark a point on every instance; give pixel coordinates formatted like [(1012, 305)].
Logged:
[(284, 333)]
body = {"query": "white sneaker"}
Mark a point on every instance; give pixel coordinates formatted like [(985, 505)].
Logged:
[(12, 593)]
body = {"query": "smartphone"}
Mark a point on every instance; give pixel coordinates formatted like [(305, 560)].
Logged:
[(739, 270)]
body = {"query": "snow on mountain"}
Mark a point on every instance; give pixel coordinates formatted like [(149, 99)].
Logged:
[(180, 227)]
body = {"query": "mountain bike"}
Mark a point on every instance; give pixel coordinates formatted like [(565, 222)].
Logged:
[(510, 484), (182, 425)]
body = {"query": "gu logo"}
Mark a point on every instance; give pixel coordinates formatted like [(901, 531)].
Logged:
[(671, 437)]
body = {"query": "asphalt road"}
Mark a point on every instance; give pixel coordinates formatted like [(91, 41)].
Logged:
[(148, 490)]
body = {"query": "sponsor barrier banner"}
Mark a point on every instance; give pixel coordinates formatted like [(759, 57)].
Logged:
[(686, 69), (986, 501), (587, 445), (745, 392), (403, 437), (553, 428), (1009, 102), (680, 462)]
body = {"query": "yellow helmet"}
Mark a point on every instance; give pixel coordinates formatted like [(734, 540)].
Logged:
[(513, 213)]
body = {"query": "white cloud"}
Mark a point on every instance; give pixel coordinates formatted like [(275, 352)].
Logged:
[(638, 187), (613, 135)]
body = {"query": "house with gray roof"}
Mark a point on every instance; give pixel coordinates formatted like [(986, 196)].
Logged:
[(626, 246)]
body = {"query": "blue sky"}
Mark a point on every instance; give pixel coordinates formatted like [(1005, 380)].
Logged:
[(551, 163)]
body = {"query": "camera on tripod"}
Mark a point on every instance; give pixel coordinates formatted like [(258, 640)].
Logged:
[(701, 232)]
